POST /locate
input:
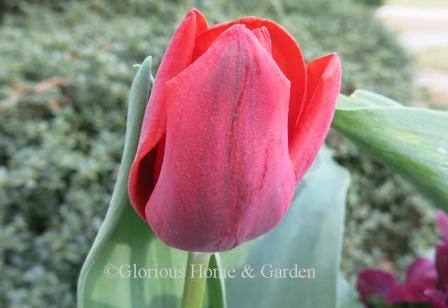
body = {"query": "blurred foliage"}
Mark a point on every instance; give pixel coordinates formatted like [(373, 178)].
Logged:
[(373, 3), (66, 69), (63, 89)]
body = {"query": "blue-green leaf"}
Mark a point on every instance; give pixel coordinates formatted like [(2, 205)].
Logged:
[(413, 141)]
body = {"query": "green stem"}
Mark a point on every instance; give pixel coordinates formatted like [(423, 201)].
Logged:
[(195, 280)]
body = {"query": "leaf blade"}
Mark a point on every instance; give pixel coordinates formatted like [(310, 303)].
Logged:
[(413, 141)]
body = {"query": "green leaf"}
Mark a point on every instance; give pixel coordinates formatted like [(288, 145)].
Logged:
[(373, 99), (124, 239), (413, 141), (310, 235)]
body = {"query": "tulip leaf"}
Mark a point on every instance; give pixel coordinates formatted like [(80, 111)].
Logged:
[(310, 235), (413, 141)]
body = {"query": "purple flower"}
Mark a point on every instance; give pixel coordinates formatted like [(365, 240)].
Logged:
[(420, 276), (372, 282), (426, 281)]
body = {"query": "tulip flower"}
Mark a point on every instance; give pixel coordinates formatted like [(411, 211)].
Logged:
[(234, 120), (426, 281)]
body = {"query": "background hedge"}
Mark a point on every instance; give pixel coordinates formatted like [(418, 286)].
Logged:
[(66, 68)]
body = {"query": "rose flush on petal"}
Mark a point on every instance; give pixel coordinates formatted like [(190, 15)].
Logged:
[(285, 51)]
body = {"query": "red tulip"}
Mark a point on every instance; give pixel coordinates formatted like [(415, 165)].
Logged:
[(234, 120)]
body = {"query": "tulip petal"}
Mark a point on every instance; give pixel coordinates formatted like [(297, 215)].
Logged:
[(373, 282), (226, 160), (144, 172), (324, 82), (285, 51)]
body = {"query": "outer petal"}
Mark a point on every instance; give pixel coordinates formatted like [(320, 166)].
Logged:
[(442, 266), (442, 224), (324, 83), (226, 160), (373, 282), (285, 51), (178, 56)]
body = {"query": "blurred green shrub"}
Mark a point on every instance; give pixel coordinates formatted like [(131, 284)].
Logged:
[(63, 90), (373, 3), (65, 72)]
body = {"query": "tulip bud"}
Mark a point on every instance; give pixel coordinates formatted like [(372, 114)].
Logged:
[(234, 120)]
